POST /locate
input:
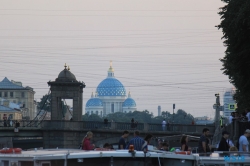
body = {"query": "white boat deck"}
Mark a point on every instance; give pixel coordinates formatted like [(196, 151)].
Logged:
[(36, 156)]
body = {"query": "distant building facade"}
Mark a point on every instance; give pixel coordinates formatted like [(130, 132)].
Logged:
[(23, 96), (228, 100), (9, 113), (110, 97)]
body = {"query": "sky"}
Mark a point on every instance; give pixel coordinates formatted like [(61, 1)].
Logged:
[(164, 51)]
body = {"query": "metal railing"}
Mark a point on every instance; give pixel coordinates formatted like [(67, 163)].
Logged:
[(79, 125)]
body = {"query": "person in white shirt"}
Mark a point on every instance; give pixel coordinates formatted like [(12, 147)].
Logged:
[(231, 117), (163, 125), (243, 142), (248, 114)]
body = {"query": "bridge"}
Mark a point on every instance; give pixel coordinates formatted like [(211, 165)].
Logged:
[(68, 134)]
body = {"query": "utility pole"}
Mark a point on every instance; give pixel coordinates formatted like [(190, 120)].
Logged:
[(173, 112)]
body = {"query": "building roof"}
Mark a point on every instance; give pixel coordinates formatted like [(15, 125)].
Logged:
[(3, 108), (7, 84), (66, 76), (129, 102), (111, 87), (94, 102)]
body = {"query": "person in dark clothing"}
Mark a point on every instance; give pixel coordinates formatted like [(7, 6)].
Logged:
[(184, 141), (122, 143), (223, 145), (106, 122), (204, 146), (132, 123)]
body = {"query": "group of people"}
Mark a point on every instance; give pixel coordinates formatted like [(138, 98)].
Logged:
[(244, 116), (225, 143), (204, 144), (243, 142), (138, 143)]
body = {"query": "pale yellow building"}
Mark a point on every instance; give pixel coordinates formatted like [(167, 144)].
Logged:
[(23, 96), (6, 112)]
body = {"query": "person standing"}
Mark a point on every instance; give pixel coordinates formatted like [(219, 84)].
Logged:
[(163, 125), (86, 145), (231, 117), (243, 142), (132, 123), (122, 143), (136, 141), (184, 141), (147, 140), (248, 114), (204, 146), (224, 142)]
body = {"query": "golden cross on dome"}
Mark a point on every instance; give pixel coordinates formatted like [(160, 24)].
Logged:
[(65, 66), (68, 68)]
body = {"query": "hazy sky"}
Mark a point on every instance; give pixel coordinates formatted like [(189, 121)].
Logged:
[(163, 51)]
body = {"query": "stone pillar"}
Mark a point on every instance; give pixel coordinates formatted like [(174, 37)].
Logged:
[(54, 109), (77, 112), (146, 127)]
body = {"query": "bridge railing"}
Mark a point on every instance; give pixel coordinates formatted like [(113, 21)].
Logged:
[(90, 125), (180, 127)]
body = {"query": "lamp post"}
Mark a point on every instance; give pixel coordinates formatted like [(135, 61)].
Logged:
[(173, 112)]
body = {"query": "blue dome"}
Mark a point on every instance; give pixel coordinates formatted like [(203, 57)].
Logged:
[(129, 102), (111, 87), (94, 102)]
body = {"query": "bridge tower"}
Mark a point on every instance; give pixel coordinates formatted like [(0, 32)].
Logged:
[(66, 87)]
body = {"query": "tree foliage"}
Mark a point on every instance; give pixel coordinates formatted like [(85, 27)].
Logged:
[(235, 25), (145, 116), (45, 102)]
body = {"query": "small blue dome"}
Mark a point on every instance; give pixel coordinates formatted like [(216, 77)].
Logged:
[(94, 102), (129, 102), (111, 87)]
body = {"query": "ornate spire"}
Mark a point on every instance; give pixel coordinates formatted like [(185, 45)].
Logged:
[(129, 95), (111, 70), (68, 68), (96, 94), (65, 66), (92, 94)]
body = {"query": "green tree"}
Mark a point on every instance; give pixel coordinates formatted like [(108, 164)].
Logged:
[(92, 117), (45, 102), (235, 25)]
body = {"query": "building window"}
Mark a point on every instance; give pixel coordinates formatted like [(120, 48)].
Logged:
[(112, 108), (0, 94), (22, 94), (96, 112), (5, 94), (11, 94)]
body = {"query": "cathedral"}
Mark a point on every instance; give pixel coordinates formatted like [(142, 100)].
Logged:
[(110, 97)]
